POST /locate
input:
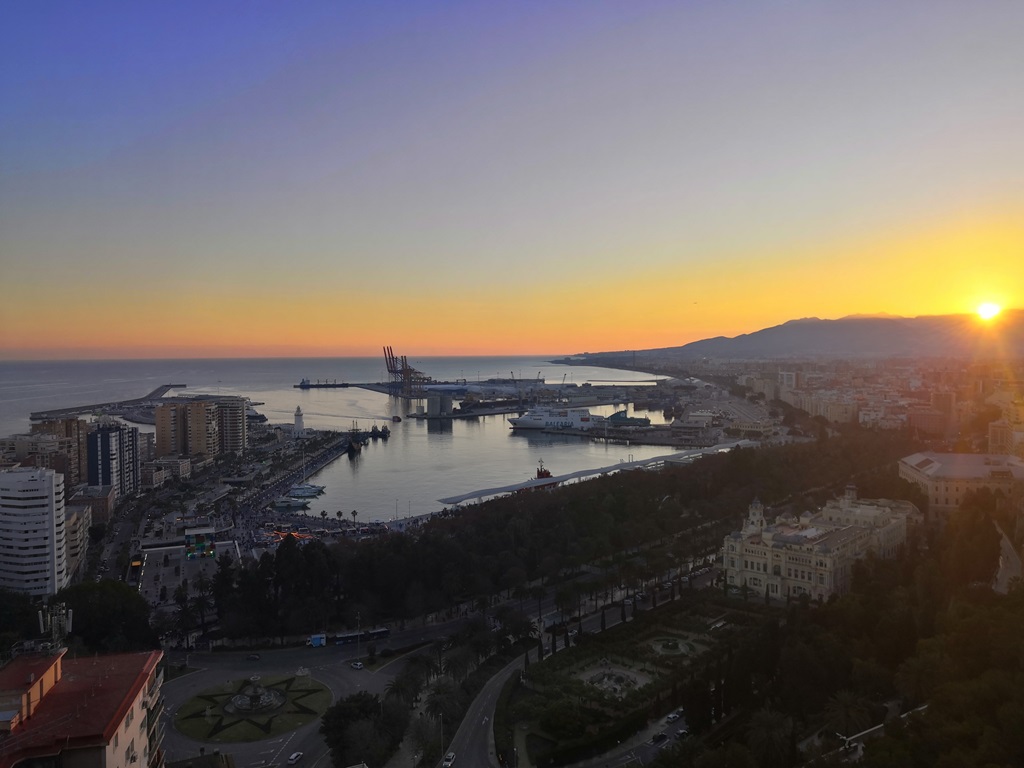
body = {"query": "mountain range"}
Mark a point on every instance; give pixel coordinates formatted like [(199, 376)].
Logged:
[(859, 336)]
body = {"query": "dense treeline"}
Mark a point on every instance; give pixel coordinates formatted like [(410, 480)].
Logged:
[(507, 543), (926, 629)]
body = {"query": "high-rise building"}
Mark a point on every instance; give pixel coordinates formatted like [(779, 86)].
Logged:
[(33, 546), (232, 424), (201, 427), (113, 453)]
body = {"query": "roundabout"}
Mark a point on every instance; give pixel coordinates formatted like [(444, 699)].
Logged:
[(252, 708)]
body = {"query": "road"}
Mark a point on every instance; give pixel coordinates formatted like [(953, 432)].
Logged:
[(473, 743)]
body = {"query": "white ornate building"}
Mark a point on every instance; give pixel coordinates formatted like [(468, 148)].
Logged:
[(813, 554)]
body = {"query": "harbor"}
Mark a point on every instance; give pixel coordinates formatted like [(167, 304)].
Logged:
[(403, 477)]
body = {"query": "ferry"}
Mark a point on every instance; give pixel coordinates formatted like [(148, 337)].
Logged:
[(557, 418)]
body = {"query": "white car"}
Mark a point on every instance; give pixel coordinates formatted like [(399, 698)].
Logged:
[(356, 665), (672, 717), (449, 760), (294, 758)]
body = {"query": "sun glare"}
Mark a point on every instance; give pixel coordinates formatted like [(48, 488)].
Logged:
[(988, 310)]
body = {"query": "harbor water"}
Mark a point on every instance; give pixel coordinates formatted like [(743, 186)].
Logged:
[(422, 462)]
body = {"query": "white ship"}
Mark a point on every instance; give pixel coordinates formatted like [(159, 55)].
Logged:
[(287, 502), (305, 491), (556, 418)]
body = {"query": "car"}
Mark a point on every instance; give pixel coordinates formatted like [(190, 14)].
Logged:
[(356, 665), (294, 758), (253, 657), (672, 717), (682, 733), (449, 760), (658, 738)]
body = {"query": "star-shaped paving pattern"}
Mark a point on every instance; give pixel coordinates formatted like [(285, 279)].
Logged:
[(294, 691)]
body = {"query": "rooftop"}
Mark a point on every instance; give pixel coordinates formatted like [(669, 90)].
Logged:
[(83, 709), (965, 466)]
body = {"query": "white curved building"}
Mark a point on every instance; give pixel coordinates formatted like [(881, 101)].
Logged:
[(33, 547)]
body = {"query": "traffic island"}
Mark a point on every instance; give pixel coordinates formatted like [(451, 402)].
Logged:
[(252, 709)]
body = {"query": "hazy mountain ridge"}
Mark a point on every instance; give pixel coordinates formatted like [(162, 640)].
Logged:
[(864, 336)]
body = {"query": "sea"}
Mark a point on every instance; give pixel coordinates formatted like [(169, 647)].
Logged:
[(407, 475)]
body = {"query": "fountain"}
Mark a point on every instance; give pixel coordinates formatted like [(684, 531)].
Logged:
[(254, 697)]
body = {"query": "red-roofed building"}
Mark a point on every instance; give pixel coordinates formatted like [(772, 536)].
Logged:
[(95, 712)]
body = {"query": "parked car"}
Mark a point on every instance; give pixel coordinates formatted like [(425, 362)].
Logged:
[(672, 717), (356, 665), (253, 657)]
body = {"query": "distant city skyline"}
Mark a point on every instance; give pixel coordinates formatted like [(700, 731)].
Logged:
[(322, 179)]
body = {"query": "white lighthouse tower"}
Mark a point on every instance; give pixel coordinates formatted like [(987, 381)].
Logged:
[(300, 429)]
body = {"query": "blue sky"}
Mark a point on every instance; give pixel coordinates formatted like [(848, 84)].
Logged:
[(611, 174)]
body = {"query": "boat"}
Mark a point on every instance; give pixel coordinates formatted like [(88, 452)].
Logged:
[(623, 419), (543, 474), (289, 502), (556, 418), (305, 491), (396, 419), (332, 384)]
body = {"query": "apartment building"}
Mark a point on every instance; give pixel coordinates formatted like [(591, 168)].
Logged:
[(113, 457), (92, 712), (33, 544), (76, 432), (201, 427)]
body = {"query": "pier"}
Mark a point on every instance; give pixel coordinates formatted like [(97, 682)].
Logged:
[(79, 410)]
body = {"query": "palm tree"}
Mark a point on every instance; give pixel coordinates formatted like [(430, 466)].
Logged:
[(768, 738), (848, 712), (402, 687), (354, 513), (443, 700), (323, 514)]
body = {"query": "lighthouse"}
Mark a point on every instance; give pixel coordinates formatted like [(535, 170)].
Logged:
[(300, 429)]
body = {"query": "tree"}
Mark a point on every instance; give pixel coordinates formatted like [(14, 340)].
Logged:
[(848, 713), (768, 737), (109, 616)]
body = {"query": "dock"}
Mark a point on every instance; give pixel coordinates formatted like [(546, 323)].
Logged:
[(78, 410)]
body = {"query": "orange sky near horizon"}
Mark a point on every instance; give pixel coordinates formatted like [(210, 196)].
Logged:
[(949, 269)]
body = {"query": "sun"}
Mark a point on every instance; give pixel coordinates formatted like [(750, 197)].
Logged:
[(988, 310)]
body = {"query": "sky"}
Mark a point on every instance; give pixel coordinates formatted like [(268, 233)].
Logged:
[(239, 179)]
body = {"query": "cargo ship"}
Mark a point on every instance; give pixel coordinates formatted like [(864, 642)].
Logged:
[(332, 384)]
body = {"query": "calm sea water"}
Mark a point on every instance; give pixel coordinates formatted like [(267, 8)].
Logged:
[(421, 463)]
